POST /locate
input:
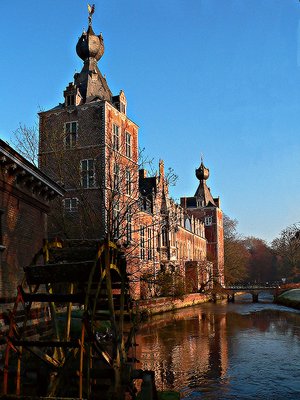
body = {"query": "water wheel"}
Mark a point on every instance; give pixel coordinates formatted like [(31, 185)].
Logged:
[(84, 285)]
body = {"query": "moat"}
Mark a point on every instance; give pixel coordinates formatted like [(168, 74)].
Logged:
[(225, 351)]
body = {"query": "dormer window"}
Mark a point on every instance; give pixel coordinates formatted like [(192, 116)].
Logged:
[(120, 102), (70, 95), (208, 221), (122, 108), (70, 100)]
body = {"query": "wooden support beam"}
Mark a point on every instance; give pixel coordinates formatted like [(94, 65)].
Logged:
[(46, 343), (54, 273), (54, 297)]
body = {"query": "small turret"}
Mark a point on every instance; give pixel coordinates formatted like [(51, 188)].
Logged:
[(90, 45), (203, 195), (202, 173), (90, 82)]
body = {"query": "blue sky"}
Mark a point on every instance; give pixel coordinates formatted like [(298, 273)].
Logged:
[(214, 77)]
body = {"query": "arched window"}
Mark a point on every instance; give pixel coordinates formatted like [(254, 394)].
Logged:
[(164, 236), (187, 224)]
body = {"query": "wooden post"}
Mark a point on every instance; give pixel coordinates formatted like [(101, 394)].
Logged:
[(122, 269), (255, 297), (117, 393), (5, 369), (18, 381), (69, 313), (81, 362), (230, 297)]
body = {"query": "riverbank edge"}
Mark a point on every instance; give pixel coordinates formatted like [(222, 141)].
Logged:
[(158, 305), (290, 298)]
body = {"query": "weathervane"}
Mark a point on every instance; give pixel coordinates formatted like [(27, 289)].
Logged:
[(91, 10)]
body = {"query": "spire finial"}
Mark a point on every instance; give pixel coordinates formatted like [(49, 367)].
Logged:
[(202, 173), (91, 10)]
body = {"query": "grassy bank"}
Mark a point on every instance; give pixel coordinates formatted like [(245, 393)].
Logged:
[(290, 298)]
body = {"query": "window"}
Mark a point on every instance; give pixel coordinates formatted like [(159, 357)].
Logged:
[(116, 220), (187, 224), (145, 204), (189, 250), (71, 134), (116, 182), (128, 144), (172, 234), (142, 242), (164, 236), (129, 225), (2, 247), (208, 221), (122, 108), (116, 137), (71, 205), (88, 173), (70, 100), (128, 182), (150, 244)]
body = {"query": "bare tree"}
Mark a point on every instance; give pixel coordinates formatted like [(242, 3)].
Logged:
[(287, 249), (262, 265), (25, 139), (113, 208), (235, 253)]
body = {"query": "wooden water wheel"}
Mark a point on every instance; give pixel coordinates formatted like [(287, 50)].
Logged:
[(84, 285)]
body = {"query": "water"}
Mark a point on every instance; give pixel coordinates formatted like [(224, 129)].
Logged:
[(225, 351)]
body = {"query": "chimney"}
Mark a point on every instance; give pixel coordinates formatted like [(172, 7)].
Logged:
[(142, 173)]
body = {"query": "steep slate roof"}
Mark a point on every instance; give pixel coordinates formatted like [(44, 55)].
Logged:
[(203, 194)]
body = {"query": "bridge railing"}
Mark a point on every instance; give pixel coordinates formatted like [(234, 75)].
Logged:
[(253, 286)]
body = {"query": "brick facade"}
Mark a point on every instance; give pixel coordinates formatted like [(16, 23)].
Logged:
[(25, 195), (90, 146), (207, 209)]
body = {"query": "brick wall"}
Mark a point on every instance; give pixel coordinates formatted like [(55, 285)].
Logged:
[(215, 237), (94, 141), (23, 224), (163, 304)]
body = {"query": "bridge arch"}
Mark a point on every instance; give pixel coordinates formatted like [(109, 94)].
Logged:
[(254, 290)]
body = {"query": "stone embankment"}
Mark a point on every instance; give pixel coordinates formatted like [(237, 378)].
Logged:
[(162, 304), (289, 298)]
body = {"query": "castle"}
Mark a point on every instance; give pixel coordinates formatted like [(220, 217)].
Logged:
[(89, 146)]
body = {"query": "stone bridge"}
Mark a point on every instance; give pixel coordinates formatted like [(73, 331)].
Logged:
[(253, 289)]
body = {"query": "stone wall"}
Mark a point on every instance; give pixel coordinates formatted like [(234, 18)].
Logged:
[(163, 304)]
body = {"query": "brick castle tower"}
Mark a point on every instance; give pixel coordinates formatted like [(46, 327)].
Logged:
[(90, 146), (207, 209)]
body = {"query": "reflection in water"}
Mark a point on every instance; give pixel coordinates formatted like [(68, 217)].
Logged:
[(225, 351)]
